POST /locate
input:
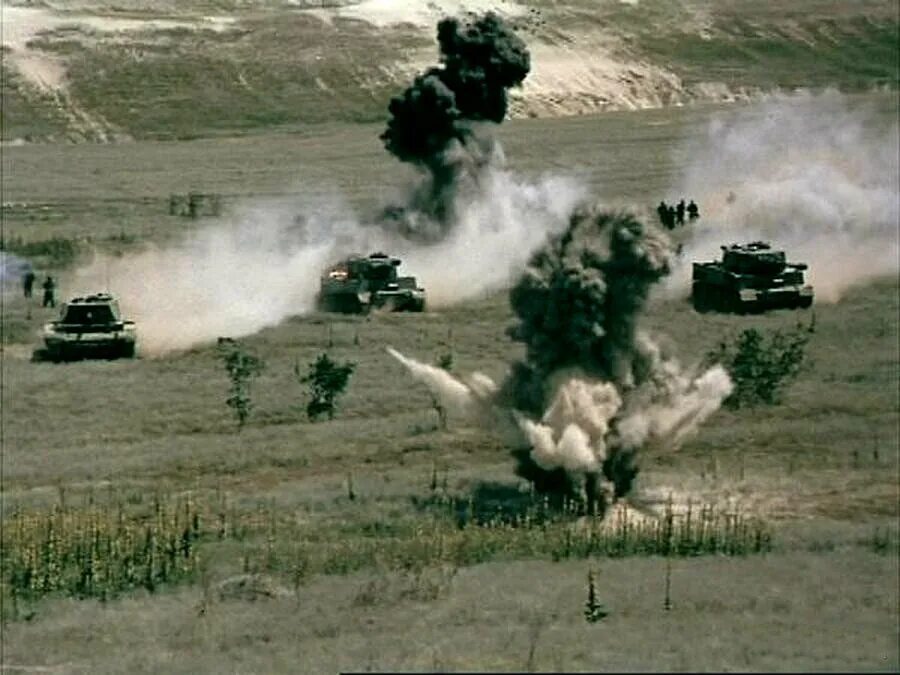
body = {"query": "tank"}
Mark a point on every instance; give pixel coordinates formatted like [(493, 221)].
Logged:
[(359, 284), (750, 278), (90, 326)]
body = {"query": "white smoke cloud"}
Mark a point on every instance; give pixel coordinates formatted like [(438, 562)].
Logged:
[(500, 222), (572, 434), (816, 174), (262, 263), (586, 417), (673, 402)]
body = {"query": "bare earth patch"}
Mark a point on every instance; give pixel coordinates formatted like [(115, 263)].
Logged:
[(46, 73)]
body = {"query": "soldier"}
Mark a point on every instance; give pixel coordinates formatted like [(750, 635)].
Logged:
[(679, 212), (28, 282), (49, 287), (663, 211), (693, 211)]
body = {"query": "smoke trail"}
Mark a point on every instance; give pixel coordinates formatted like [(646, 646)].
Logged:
[(593, 389), (816, 174), (465, 398), (440, 123)]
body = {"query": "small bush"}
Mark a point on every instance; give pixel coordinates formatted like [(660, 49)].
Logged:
[(445, 361), (594, 610), (759, 367), (327, 380), (242, 367)]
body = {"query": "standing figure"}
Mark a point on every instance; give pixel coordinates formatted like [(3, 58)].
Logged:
[(28, 282), (670, 217), (679, 212), (662, 210), (49, 287), (693, 211)]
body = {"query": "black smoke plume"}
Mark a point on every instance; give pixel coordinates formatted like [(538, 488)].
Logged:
[(437, 123), (577, 306)]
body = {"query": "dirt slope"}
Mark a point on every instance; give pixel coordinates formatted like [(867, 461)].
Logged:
[(93, 71)]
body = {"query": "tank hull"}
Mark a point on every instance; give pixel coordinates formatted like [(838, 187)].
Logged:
[(713, 298), (89, 327), (350, 302), (102, 348)]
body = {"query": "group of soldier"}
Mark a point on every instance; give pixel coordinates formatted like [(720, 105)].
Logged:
[(49, 286), (671, 216)]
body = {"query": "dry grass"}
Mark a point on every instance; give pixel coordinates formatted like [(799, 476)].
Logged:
[(798, 611), (138, 428)]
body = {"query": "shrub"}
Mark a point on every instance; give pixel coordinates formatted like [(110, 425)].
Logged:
[(242, 367), (445, 362), (594, 610), (759, 367), (327, 380)]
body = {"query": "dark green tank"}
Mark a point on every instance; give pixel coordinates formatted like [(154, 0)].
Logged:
[(359, 284), (750, 278)]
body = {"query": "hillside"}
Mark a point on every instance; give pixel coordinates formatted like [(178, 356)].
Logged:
[(105, 71)]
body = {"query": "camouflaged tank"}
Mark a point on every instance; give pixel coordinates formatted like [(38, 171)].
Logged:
[(359, 284), (90, 326), (750, 278)]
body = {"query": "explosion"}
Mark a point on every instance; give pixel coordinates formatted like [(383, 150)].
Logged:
[(593, 389), (439, 123)]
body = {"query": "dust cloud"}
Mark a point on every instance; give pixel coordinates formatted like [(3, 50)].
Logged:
[(248, 271), (261, 263), (816, 174)]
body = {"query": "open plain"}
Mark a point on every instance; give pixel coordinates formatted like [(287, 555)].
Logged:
[(384, 539)]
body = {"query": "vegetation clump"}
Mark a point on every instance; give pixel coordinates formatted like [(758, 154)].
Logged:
[(98, 551), (55, 252), (327, 380), (594, 610), (242, 367), (761, 367)]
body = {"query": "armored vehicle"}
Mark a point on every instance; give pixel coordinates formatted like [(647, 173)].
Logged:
[(90, 326), (750, 278), (358, 284)]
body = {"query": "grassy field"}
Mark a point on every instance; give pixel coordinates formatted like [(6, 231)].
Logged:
[(326, 546)]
